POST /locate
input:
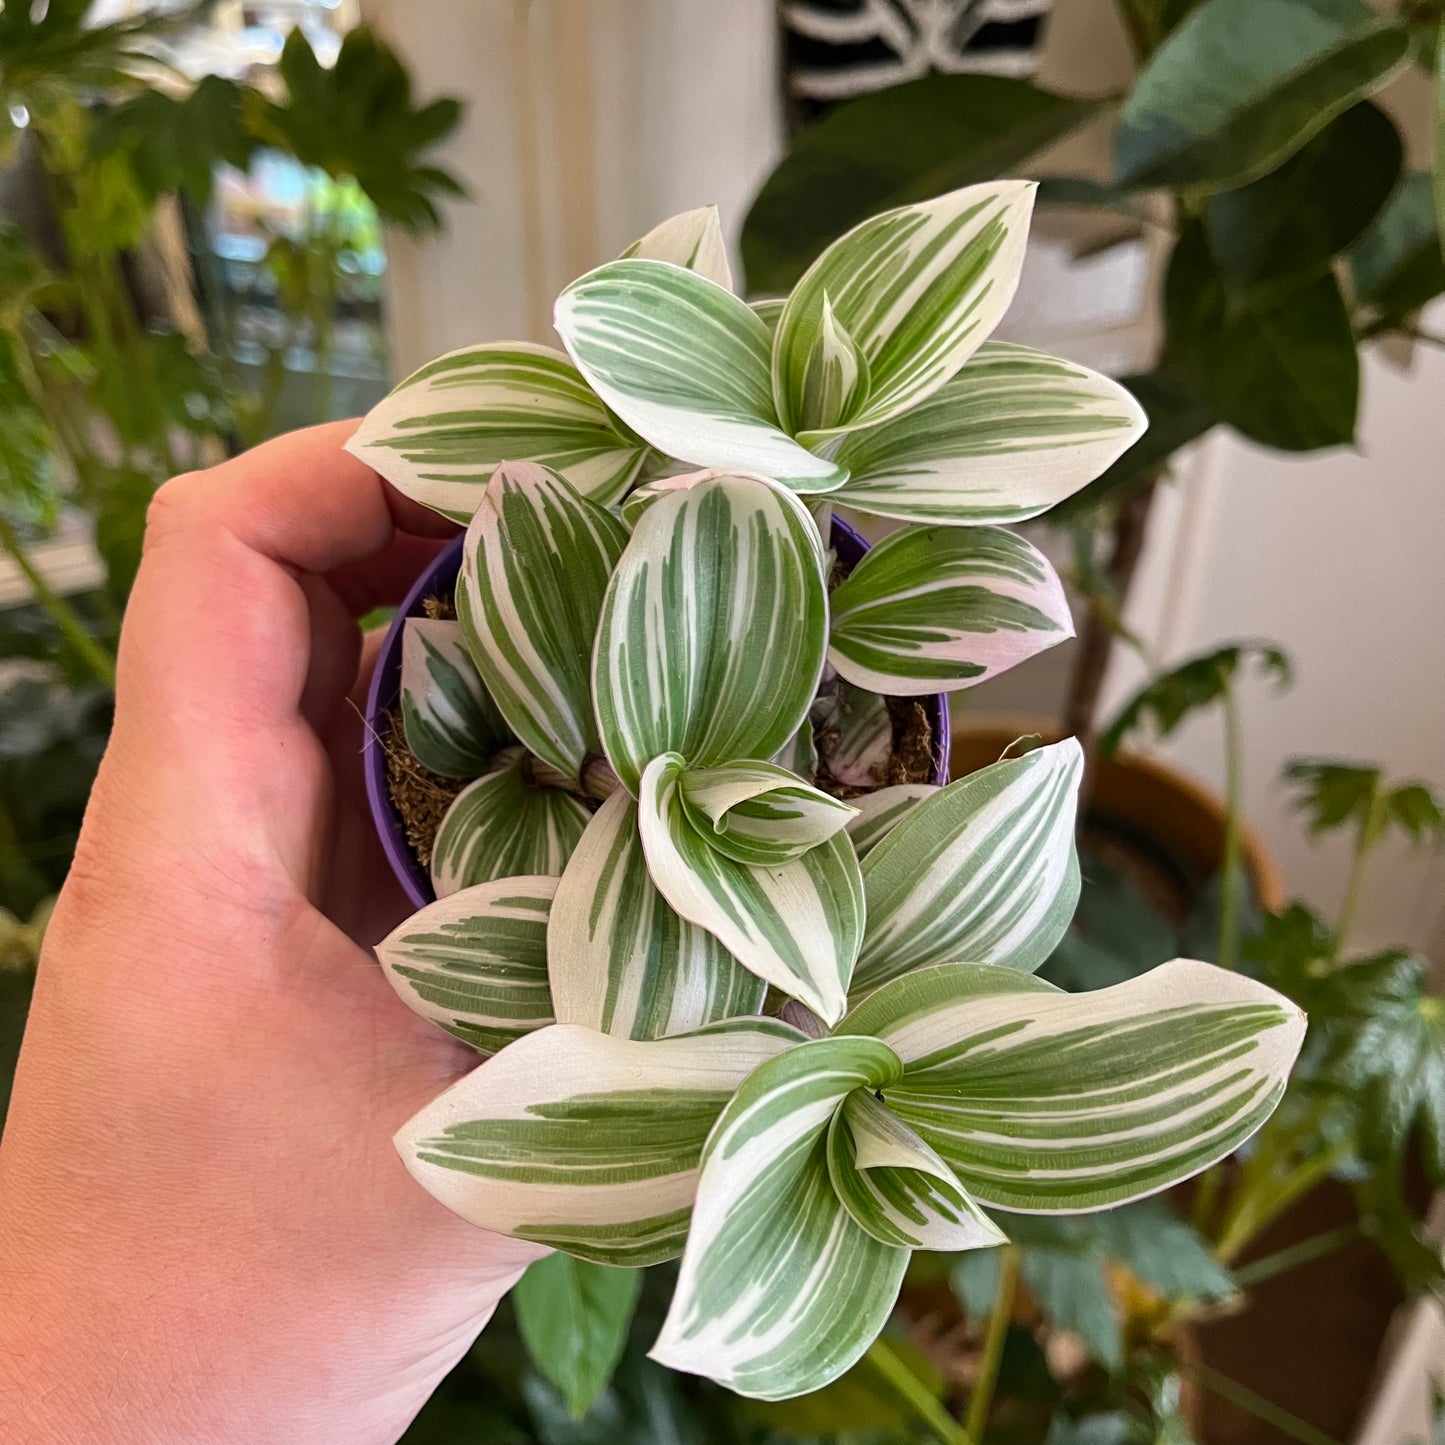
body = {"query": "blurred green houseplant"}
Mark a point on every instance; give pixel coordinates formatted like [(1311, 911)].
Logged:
[(111, 379)]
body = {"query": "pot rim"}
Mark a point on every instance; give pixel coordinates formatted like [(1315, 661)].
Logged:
[(385, 689)]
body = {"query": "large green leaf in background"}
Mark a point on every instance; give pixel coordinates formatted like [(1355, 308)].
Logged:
[(899, 145), (1396, 266), (357, 118), (574, 1317), (1243, 83), (1278, 364), (1291, 221)]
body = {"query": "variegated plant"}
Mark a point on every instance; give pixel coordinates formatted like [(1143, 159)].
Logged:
[(745, 1004)]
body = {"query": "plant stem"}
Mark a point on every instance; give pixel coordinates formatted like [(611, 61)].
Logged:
[(1370, 831), (1229, 897), (981, 1401), (884, 1358), (1259, 1407), (1293, 1255), (1206, 1197), (1256, 1208), (65, 617)]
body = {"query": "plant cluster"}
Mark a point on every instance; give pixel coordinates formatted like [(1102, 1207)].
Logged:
[(732, 1016), (1296, 226)]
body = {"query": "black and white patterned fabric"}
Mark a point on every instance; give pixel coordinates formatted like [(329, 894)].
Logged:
[(836, 49)]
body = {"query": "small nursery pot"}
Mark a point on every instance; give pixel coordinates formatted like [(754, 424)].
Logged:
[(385, 689)]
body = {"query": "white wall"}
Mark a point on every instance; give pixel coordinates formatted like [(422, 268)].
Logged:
[(1338, 557), (588, 122)]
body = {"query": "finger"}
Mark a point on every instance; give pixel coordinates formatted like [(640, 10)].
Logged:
[(218, 632), (384, 580)]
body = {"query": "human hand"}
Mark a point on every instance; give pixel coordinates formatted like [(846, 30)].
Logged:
[(205, 1234)]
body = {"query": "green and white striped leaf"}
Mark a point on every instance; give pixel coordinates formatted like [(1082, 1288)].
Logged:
[(984, 871), (769, 311), (760, 813), (933, 609), (534, 570), (896, 1187), (800, 753), (855, 731), (714, 627), (780, 1289), (584, 1141), (1014, 433), (918, 289), (686, 365), (798, 925), (835, 375), (476, 962), (1043, 1101), (501, 827), (693, 240), (620, 959), (881, 811), (439, 435), (452, 725)]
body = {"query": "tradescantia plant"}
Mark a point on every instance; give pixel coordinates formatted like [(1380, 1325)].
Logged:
[(746, 1001)]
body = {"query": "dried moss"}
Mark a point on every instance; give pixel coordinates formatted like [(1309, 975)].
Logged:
[(420, 796)]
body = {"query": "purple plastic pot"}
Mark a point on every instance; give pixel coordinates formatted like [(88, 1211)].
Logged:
[(440, 578)]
